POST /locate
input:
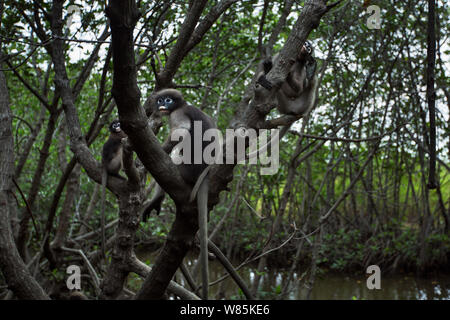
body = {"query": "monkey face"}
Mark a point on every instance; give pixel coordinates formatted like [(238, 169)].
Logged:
[(114, 127), (305, 52), (165, 104), (308, 47)]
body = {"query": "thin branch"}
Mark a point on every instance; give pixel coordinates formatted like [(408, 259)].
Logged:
[(229, 267), (248, 260), (231, 84), (41, 98), (348, 139), (28, 207), (13, 68)]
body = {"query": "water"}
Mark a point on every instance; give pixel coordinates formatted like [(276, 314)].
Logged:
[(327, 286), (392, 288)]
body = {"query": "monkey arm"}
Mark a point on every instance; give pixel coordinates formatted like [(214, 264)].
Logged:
[(301, 76), (129, 165), (310, 68), (168, 145), (158, 198), (308, 97), (300, 105), (296, 82), (155, 203)]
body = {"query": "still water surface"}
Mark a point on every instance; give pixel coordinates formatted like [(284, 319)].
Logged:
[(327, 286)]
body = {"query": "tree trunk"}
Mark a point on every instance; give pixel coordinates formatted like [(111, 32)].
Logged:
[(16, 274)]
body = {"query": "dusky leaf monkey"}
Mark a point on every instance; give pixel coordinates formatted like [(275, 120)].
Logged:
[(182, 116), (112, 163), (297, 93)]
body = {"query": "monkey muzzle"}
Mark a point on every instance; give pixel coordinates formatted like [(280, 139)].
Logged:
[(164, 104), (163, 109)]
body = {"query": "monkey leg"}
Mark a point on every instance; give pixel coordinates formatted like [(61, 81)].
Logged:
[(285, 104), (155, 203)]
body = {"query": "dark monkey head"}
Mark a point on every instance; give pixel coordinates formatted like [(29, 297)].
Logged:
[(168, 100), (114, 127), (306, 51), (307, 47), (115, 130)]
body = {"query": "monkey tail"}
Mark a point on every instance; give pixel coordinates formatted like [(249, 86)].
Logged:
[(102, 222), (202, 205), (198, 183)]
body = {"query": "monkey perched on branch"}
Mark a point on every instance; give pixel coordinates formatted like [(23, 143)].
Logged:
[(185, 116), (297, 93), (112, 162)]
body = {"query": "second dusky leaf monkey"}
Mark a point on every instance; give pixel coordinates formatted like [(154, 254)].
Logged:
[(297, 94), (112, 163)]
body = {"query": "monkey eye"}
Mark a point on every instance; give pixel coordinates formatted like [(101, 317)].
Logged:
[(168, 100), (160, 101)]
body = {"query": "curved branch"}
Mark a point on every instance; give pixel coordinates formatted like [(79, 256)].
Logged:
[(127, 96), (229, 267), (143, 270), (179, 52), (207, 23)]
